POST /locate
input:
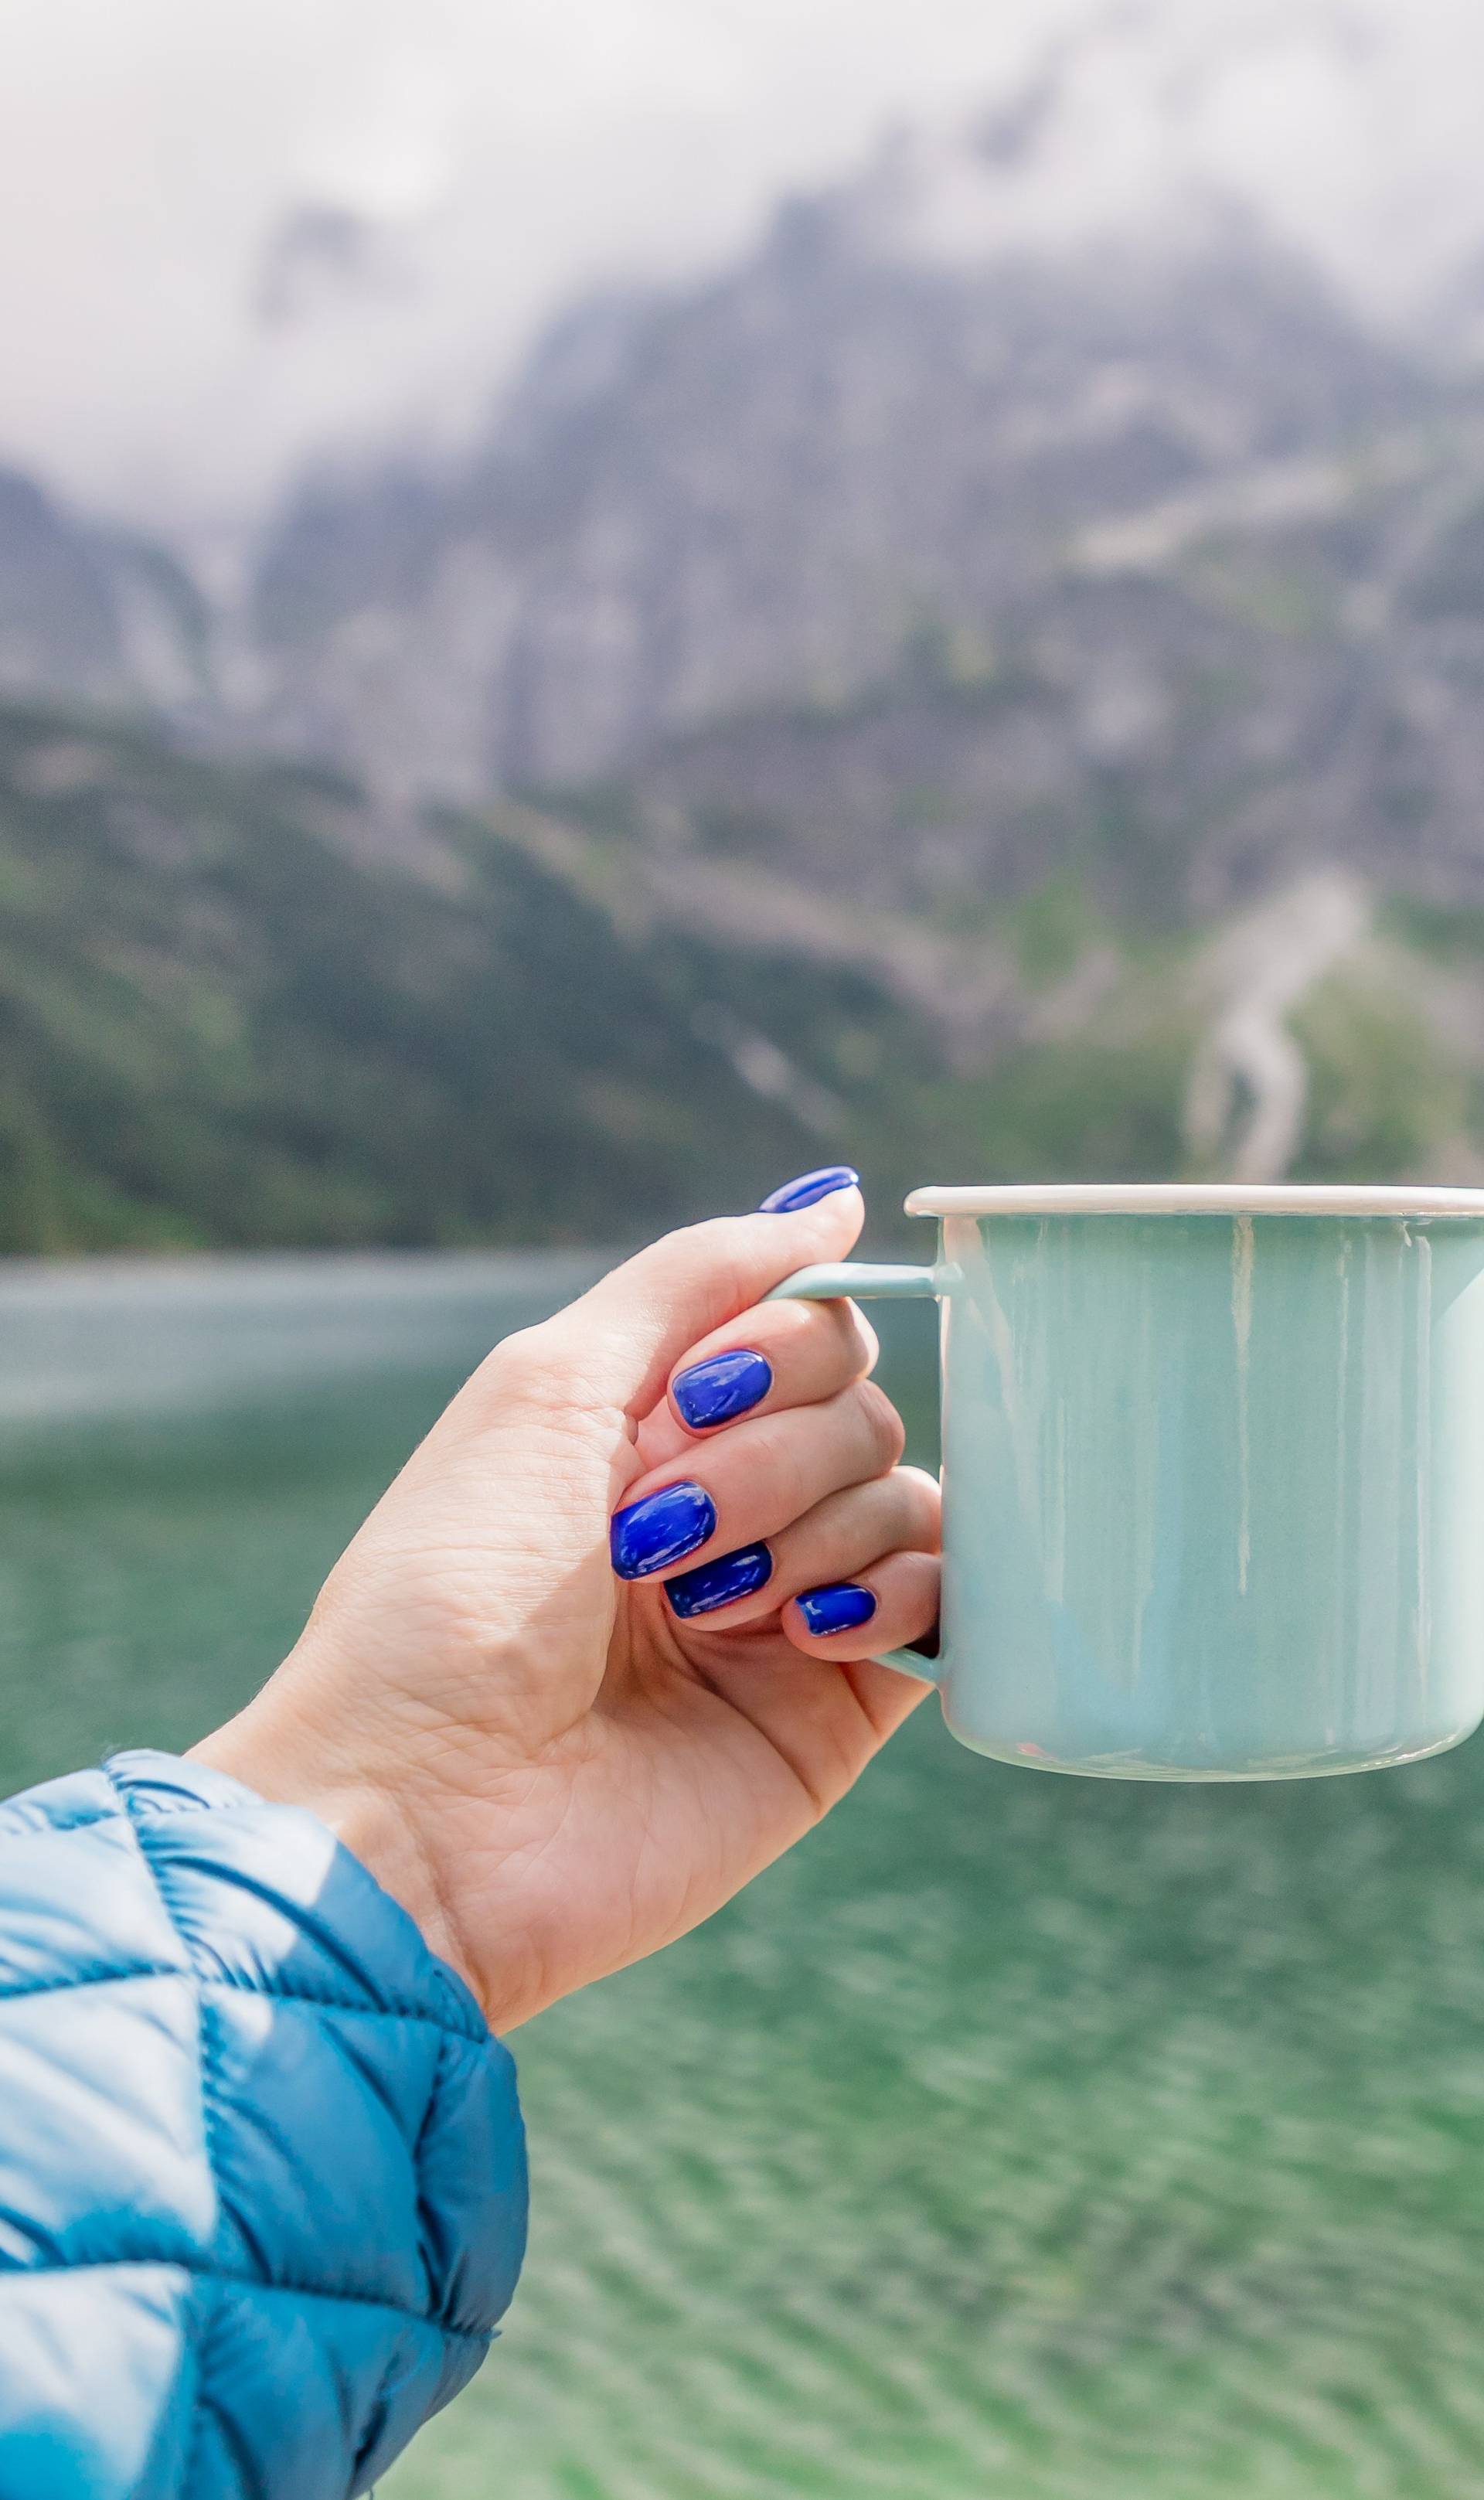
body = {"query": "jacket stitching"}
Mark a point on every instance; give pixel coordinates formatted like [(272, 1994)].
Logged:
[(145, 1808), (252, 2282), (202, 2341), (156, 1887), (45, 1829), (198, 2409), (205, 2061), (96, 1979), (392, 2012), (424, 2123), (243, 1986)]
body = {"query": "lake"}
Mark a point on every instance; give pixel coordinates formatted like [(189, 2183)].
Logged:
[(1016, 2137)]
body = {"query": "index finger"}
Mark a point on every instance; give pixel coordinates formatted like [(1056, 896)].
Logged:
[(635, 1324), (780, 1354)]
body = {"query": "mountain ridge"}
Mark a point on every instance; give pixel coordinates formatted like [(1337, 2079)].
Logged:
[(229, 1019), (719, 496), (861, 703)]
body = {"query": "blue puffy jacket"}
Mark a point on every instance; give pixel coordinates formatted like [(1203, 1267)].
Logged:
[(262, 2176)]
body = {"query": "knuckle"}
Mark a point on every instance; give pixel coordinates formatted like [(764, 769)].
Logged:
[(885, 1431), (867, 1345), (922, 1508), (544, 1368), (854, 1343), (704, 1242), (820, 1341), (794, 1326), (519, 1362), (522, 1345), (710, 1249), (718, 1243)]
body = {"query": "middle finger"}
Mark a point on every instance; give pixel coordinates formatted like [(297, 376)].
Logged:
[(899, 1513), (752, 1481)]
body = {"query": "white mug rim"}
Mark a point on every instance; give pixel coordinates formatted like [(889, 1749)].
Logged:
[(1420, 1203)]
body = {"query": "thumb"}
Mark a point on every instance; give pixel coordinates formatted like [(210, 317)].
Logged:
[(630, 1330)]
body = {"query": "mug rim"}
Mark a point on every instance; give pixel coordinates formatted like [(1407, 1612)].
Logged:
[(1196, 1198)]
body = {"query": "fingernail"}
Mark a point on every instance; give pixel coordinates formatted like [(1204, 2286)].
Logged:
[(723, 1386), (839, 1608), (657, 1531), (718, 1582), (807, 1190)]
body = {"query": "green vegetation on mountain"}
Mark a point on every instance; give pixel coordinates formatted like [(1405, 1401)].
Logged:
[(993, 719), (224, 1021), (239, 1009)]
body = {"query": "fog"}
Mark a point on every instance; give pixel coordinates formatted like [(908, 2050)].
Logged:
[(236, 235)]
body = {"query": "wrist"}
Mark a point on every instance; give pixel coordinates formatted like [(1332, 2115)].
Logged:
[(285, 1766)]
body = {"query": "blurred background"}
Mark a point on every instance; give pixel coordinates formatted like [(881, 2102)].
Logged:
[(603, 601)]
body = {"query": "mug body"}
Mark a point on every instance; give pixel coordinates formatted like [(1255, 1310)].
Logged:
[(1213, 1485)]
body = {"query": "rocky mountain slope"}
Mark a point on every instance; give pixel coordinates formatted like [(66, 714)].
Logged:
[(227, 1018), (770, 488), (239, 1007), (974, 710), (90, 610), (931, 577)]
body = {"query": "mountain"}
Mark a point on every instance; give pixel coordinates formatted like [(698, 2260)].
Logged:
[(378, 264), (240, 1006), (1241, 678), (767, 489), (227, 1017), (90, 610), (927, 695)]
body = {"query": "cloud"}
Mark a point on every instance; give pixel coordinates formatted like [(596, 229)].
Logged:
[(438, 173)]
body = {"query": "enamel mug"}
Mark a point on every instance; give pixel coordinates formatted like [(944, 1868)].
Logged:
[(1214, 1474)]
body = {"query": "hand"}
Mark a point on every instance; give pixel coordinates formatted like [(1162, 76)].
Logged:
[(555, 1768)]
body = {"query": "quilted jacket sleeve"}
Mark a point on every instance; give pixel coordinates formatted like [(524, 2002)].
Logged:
[(262, 2176)]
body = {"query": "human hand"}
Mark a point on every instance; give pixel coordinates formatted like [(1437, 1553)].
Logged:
[(560, 1756)]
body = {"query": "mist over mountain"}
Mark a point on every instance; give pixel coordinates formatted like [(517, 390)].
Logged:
[(1009, 688), (354, 221), (923, 575), (766, 489)]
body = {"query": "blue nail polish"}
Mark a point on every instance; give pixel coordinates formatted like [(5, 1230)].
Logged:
[(718, 1583), (656, 1531), (723, 1386), (808, 1191), (837, 1608)]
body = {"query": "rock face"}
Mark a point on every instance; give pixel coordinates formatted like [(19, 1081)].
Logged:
[(225, 1020), (930, 573), (896, 560), (87, 610), (964, 709), (768, 491)]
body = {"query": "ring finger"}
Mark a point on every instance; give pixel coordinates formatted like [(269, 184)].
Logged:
[(839, 1538)]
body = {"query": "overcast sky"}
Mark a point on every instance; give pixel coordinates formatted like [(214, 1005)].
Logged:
[(509, 150)]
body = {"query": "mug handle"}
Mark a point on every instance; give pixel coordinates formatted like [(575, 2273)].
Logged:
[(858, 1281)]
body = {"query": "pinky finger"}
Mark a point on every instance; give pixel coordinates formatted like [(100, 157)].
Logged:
[(893, 1602)]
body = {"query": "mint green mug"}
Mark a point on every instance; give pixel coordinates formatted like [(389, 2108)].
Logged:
[(1214, 1474)]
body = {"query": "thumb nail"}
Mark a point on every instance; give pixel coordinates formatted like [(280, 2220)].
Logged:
[(809, 1189)]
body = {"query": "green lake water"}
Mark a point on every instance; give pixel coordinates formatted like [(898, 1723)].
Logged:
[(1015, 2136)]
